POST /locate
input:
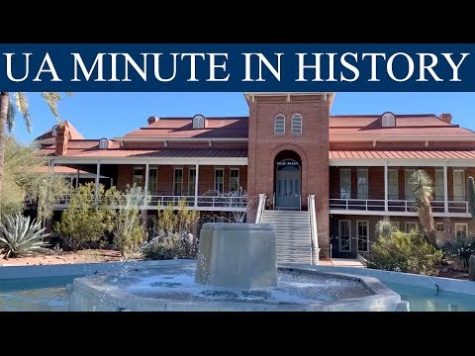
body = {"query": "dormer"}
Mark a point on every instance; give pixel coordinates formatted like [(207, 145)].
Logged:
[(199, 121), (388, 119), (103, 143)]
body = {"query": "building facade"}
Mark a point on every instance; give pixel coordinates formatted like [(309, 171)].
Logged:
[(288, 155)]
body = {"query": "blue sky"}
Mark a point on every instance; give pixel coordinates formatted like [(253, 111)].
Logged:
[(110, 115)]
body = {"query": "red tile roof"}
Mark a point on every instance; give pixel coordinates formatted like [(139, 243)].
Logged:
[(74, 134), (402, 154), (59, 170)]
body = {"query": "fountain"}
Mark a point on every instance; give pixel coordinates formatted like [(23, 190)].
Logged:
[(235, 271)]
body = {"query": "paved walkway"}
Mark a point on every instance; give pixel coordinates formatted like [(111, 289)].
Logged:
[(341, 262)]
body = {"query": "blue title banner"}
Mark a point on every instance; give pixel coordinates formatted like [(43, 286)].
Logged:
[(237, 67)]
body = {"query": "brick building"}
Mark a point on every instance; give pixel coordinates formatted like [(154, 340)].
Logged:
[(323, 181)]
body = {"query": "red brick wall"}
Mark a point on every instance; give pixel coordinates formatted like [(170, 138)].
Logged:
[(312, 147)]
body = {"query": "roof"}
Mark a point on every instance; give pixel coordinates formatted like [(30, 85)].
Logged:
[(386, 154), (74, 134), (182, 127), (59, 170)]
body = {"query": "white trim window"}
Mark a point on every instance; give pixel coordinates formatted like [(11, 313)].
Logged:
[(234, 180), (297, 124), (459, 185), (344, 235), (411, 226), (279, 125), (345, 183), (388, 120), (393, 184), (362, 234), (177, 181), (407, 178), (362, 183), (191, 180), (138, 177), (461, 230), (198, 122), (439, 185), (103, 143), (219, 180), (153, 179)]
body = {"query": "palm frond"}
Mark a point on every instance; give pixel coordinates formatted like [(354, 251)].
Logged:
[(11, 114), (52, 98), (23, 107)]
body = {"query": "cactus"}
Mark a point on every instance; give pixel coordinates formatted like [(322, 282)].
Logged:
[(471, 195), (21, 236), (471, 268)]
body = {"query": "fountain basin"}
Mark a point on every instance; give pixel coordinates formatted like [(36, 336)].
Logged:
[(172, 287)]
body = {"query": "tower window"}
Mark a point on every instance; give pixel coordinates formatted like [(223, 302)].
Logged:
[(279, 125), (198, 122), (297, 124), (388, 120)]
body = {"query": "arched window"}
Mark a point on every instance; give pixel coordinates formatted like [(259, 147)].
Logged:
[(198, 122), (388, 120), (54, 130), (296, 124), (279, 125), (103, 144)]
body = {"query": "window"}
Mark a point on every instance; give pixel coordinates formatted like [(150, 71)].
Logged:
[(152, 179), (363, 236), (103, 144), (219, 180), (296, 124), (138, 176), (362, 180), (439, 185), (344, 235), (345, 183), (439, 226), (409, 193), (199, 122), (393, 184), (388, 120), (234, 180), (459, 185), (411, 226), (177, 181), (279, 125), (191, 181), (461, 230)]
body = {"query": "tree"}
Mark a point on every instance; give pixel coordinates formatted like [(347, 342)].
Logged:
[(21, 180), (471, 196), (9, 104), (421, 185)]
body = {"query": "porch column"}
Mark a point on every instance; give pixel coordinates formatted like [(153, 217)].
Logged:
[(446, 190), (147, 171), (386, 186), (197, 167), (98, 174), (77, 179)]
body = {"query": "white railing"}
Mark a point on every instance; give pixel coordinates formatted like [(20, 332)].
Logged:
[(260, 208), (406, 206), (162, 201), (313, 229)]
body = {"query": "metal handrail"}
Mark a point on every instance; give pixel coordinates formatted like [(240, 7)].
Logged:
[(313, 229), (260, 208)]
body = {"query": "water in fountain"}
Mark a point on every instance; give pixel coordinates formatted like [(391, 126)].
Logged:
[(235, 271)]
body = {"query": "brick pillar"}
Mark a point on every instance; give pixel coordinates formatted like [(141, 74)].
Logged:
[(62, 139)]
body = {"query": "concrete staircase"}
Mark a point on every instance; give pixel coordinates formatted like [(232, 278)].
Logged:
[(292, 233)]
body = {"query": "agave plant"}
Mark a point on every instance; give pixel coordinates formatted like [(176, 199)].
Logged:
[(19, 235)]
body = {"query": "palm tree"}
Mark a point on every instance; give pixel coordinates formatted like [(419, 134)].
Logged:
[(9, 104), (421, 185)]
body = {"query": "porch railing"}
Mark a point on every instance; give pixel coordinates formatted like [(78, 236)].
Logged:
[(396, 205), (162, 201)]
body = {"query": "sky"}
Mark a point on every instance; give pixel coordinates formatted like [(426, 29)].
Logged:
[(111, 115)]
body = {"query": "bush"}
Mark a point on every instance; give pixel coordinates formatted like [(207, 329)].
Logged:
[(85, 221), (403, 252), (21, 236), (171, 246), (461, 250)]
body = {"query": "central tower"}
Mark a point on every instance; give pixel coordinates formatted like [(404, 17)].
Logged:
[(288, 153)]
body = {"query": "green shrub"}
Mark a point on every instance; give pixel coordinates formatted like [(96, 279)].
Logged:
[(20, 236), (85, 220), (403, 252), (171, 246), (461, 250)]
